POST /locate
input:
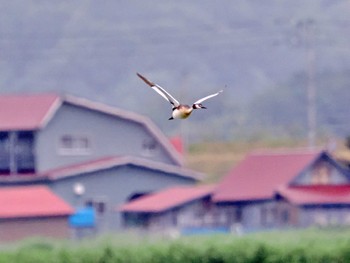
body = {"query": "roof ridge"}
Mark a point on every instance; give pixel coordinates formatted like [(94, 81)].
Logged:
[(167, 198), (112, 161)]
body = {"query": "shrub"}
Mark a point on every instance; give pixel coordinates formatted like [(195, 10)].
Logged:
[(298, 246)]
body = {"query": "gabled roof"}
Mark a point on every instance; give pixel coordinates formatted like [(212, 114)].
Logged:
[(316, 195), (259, 175), (34, 111), (112, 161), (167, 199), (31, 201), (26, 112)]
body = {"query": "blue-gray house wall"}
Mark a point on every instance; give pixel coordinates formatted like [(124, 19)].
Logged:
[(108, 135), (114, 186)]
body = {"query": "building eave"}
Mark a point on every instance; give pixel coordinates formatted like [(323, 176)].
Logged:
[(113, 162)]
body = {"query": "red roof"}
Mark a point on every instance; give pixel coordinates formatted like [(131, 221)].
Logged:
[(178, 144), (31, 201), (318, 194), (167, 199), (260, 174), (26, 112)]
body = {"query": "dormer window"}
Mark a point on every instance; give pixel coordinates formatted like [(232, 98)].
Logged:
[(74, 144)]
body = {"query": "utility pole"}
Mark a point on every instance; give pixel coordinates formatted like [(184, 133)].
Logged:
[(311, 98), (306, 29)]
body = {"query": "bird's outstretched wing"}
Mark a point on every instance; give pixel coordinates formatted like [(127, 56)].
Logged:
[(162, 92), (207, 97)]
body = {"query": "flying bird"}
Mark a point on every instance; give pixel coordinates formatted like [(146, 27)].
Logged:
[(180, 111)]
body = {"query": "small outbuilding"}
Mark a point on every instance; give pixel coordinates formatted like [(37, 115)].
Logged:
[(27, 211), (173, 209)]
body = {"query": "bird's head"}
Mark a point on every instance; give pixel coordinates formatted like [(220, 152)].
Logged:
[(197, 106)]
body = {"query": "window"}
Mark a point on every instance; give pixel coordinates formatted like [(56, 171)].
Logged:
[(4, 152), (174, 218), (99, 204), (238, 214), (285, 216), (67, 142), (149, 146), (268, 214), (24, 153), (74, 144), (17, 152)]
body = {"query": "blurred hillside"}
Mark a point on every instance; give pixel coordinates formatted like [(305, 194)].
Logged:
[(259, 49)]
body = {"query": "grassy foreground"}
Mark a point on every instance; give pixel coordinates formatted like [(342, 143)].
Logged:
[(292, 246)]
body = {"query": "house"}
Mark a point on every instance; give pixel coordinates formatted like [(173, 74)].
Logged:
[(274, 189), (47, 131), (32, 211), (268, 189), (320, 205), (87, 153), (173, 209)]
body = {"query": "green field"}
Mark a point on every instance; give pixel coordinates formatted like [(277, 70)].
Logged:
[(313, 245)]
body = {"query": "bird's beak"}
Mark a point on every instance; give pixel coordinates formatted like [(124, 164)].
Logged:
[(203, 107)]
